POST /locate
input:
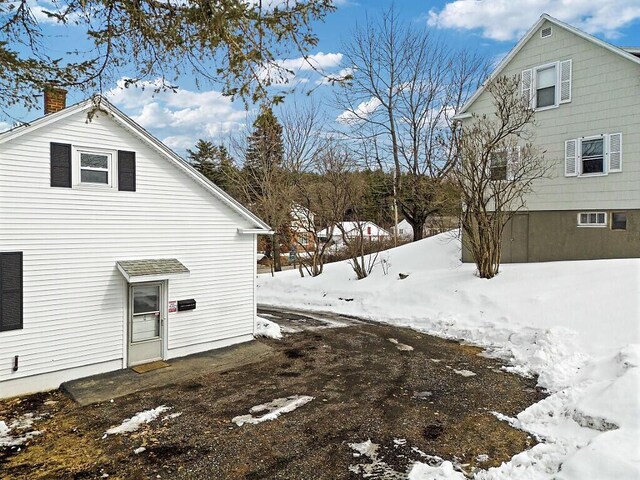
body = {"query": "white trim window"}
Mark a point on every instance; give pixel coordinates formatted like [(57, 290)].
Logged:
[(592, 219), (94, 167), (547, 86), (503, 164), (593, 156)]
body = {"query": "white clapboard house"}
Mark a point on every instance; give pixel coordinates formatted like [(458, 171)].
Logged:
[(113, 251)]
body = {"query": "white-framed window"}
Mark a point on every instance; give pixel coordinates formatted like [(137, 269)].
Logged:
[(594, 155), (498, 165), (547, 86), (545, 81), (592, 219), (94, 167), (503, 164), (592, 151)]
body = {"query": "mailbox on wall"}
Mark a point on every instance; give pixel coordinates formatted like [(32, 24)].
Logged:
[(189, 304)]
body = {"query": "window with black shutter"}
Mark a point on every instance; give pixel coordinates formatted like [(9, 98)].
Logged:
[(10, 291), (60, 154), (126, 171)]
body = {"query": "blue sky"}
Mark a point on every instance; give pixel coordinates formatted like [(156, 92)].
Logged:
[(490, 27)]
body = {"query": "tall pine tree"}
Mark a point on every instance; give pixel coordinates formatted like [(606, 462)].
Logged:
[(214, 162), (266, 182)]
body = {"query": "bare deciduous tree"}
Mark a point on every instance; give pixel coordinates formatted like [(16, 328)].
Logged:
[(405, 87), (498, 167)]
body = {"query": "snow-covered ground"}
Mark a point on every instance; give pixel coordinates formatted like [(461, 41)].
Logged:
[(574, 324), (267, 328)]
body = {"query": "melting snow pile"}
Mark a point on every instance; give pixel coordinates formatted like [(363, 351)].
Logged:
[(267, 328), (134, 423), (574, 324), (376, 467), (273, 409), (20, 427)]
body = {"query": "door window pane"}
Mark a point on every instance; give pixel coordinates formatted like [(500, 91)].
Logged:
[(146, 299), (145, 327)]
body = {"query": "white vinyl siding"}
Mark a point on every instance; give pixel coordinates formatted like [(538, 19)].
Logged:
[(74, 296)]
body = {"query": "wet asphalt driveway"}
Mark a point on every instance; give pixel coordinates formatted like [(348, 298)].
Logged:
[(414, 395)]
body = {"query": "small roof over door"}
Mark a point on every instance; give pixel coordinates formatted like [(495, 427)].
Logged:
[(151, 269)]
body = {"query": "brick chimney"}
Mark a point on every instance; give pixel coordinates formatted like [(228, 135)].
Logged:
[(55, 99)]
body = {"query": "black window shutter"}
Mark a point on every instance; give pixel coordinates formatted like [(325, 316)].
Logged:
[(60, 165), (10, 291), (126, 171)]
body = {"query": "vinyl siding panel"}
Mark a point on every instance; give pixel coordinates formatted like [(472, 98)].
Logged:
[(74, 297), (605, 99)]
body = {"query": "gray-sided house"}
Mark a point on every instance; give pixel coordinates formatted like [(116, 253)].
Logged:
[(586, 94), (113, 251)]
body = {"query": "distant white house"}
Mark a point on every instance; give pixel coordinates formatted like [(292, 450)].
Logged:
[(404, 229), (433, 226), (113, 252), (369, 231)]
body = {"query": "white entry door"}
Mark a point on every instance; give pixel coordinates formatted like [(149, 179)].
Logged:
[(146, 318)]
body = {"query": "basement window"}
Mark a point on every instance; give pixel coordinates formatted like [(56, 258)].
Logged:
[(592, 219), (618, 221)]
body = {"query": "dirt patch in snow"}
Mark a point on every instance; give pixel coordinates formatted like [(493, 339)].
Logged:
[(363, 388)]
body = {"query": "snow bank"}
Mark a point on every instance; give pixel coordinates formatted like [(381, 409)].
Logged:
[(274, 409), (134, 423), (267, 328), (574, 324)]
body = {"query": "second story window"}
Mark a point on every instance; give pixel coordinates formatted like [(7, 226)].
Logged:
[(592, 156), (547, 86), (546, 78), (95, 168)]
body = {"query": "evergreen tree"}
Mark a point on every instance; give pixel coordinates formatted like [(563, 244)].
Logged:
[(214, 162), (265, 153), (266, 183)]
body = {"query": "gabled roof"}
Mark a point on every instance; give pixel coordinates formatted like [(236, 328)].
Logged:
[(629, 54), (104, 105)]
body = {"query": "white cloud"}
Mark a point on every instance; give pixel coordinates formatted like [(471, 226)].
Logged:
[(335, 77), (38, 8), (361, 112), (509, 19), (279, 73), (4, 126), (179, 118)]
